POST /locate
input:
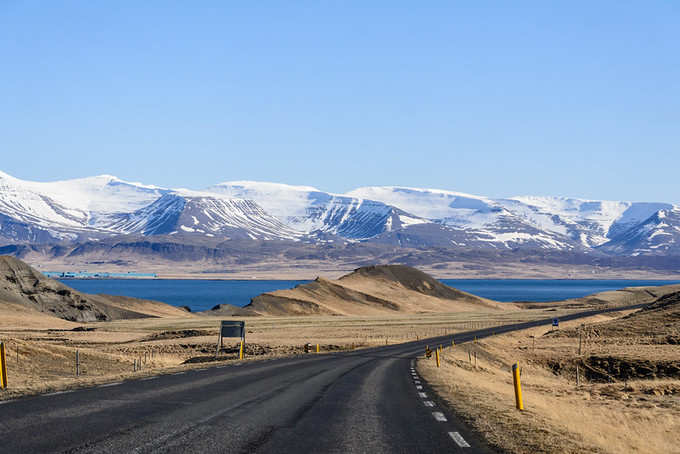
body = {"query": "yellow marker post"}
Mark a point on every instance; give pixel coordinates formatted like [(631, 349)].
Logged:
[(3, 367), (317, 348), (240, 352), (436, 354), (518, 386)]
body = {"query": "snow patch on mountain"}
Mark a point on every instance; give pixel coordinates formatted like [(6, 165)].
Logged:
[(309, 210), (659, 234), (192, 212)]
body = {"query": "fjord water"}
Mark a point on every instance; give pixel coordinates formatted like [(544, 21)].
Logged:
[(201, 295)]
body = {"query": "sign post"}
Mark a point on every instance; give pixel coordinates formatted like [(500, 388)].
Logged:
[(518, 386), (229, 328), (3, 367)]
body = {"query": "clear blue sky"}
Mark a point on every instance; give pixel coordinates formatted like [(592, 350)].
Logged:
[(581, 99)]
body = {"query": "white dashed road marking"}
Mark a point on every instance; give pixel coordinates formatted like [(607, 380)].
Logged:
[(178, 373), (439, 416), (460, 441)]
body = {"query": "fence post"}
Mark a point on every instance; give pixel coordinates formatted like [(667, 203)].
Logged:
[(77, 363), (518, 386), (3, 367)]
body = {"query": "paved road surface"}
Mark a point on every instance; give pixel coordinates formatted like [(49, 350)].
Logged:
[(355, 402)]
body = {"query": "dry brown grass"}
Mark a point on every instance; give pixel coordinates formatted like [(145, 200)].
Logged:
[(636, 416), (47, 354)]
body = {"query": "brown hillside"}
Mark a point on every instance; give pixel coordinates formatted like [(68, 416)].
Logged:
[(21, 286), (373, 290), (661, 318)]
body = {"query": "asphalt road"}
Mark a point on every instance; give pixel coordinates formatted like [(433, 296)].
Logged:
[(364, 401)]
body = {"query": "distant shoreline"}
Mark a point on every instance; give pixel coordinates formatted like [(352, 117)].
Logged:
[(241, 279)]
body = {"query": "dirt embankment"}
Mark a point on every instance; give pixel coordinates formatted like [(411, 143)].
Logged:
[(640, 345), (373, 290)]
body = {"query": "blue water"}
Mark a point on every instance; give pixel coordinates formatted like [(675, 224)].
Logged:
[(202, 295), (543, 289), (199, 295)]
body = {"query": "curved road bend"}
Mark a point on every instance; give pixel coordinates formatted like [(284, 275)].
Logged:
[(352, 402)]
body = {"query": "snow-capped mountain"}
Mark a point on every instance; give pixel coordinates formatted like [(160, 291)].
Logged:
[(63, 210), (657, 235), (563, 222), (196, 213), (96, 207), (591, 222), (310, 210), (104, 206)]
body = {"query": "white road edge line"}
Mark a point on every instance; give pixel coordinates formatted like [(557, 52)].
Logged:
[(149, 378), (110, 384), (458, 438), (6, 401), (56, 393), (423, 395), (179, 373), (439, 416), (429, 403)]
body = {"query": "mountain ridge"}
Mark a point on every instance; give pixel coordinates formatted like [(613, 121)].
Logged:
[(95, 208)]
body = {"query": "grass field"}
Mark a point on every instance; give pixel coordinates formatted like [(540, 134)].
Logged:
[(611, 415), (43, 359)]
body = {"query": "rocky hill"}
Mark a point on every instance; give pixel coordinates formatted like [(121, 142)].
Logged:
[(373, 290), (22, 285)]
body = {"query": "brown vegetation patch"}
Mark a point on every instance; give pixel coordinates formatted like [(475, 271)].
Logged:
[(178, 334), (627, 399)]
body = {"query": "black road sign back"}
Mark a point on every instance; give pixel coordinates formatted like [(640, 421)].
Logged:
[(233, 329)]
